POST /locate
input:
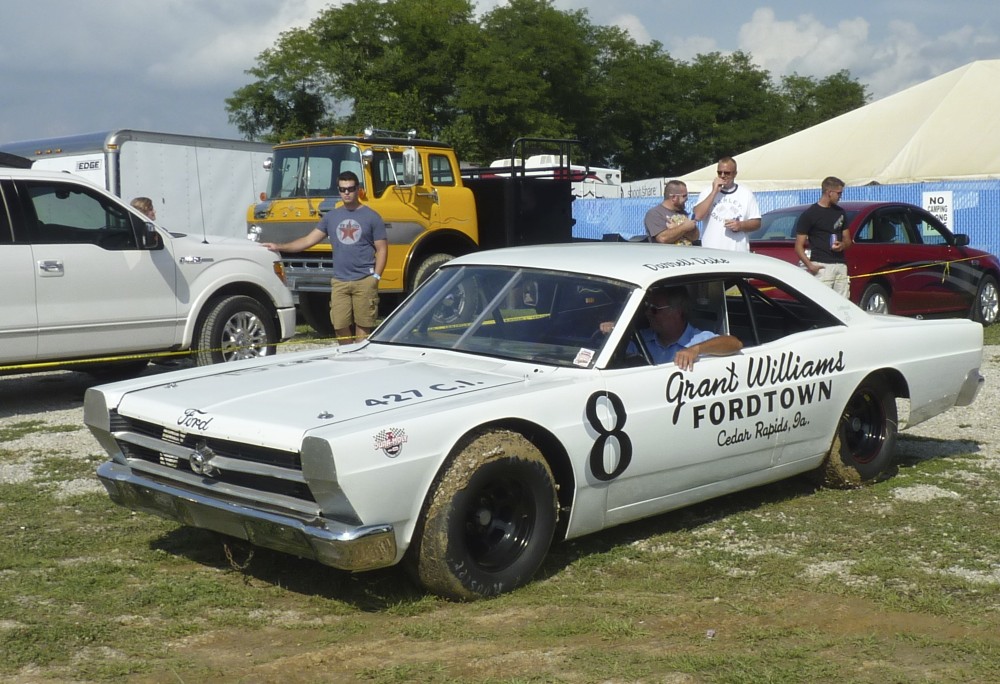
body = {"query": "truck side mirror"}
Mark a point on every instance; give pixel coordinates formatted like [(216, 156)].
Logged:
[(151, 237), (411, 167)]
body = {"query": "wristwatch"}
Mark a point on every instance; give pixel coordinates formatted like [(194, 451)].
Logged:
[(376, 276)]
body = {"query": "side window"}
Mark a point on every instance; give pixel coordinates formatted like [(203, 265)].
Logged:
[(929, 233), (61, 213), (387, 170), (761, 310), (777, 227), (890, 227), (704, 309), (6, 237), (866, 233), (441, 171)]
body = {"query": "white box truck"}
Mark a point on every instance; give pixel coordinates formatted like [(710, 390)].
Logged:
[(198, 185)]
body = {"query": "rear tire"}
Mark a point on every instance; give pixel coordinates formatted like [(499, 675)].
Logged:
[(490, 519), (235, 328), (865, 440)]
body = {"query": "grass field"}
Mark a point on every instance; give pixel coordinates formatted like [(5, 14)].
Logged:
[(898, 582)]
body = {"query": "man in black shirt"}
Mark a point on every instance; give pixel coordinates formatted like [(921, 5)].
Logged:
[(821, 237)]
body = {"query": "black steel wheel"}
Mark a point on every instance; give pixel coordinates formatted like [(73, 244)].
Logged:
[(490, 519), (865, 441)]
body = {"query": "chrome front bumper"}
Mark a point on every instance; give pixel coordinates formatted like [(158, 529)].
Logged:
[(342, 546)]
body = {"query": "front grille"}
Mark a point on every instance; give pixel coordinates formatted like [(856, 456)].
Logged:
[(238, 451)]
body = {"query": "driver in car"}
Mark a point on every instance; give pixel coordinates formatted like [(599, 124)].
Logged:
[(670, 337)]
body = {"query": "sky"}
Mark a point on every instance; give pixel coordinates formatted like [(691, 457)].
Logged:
[(83, 66)]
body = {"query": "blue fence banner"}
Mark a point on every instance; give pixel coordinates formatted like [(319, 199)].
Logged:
[(975, 208)]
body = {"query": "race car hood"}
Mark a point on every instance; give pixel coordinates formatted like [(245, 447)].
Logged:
[(274, 404)]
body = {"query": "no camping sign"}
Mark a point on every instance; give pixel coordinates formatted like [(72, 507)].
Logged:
[(940, 205)]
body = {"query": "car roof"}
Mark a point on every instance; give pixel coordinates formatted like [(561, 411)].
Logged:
[(852, 206), (639, 263)]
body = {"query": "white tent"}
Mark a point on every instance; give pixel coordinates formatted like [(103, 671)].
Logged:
[(947, 128)]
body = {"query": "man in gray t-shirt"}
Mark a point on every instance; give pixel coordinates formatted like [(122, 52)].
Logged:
[(360, 247), (668, 223)]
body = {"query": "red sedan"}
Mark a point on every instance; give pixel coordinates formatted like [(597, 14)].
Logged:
[(903, 261)]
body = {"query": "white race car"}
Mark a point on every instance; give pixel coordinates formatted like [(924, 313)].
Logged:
[(513, 400)]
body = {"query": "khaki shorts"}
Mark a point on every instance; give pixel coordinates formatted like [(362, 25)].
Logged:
[(354, 302), (835, 276)]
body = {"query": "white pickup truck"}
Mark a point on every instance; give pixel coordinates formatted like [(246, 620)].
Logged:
[(89, 283)]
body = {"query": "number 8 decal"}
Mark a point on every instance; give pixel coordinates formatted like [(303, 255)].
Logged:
[(624, 442)]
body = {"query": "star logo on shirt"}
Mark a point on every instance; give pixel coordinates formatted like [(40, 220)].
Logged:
[(348, 232)]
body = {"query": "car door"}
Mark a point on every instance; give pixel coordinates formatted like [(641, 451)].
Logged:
[(677, 432), (19, 323), (98, 291), (958, 276), (917, 271), (405, 210)]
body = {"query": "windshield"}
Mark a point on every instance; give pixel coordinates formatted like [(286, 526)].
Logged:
[(510, 313), (312, 170)]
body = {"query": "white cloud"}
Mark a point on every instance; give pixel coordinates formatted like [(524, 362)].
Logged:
[(902, 55), (226, 45), (804, 45), (632, 25)]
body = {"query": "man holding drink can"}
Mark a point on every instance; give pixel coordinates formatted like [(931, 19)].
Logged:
[(821, 237)]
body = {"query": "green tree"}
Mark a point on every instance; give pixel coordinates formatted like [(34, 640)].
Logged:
[(524, 69), (530, 74), (734, 107), (642, 99), (392, 64), (809, 102)]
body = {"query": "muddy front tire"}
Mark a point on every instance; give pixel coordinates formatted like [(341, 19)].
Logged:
[(489, 521), (865, 441)]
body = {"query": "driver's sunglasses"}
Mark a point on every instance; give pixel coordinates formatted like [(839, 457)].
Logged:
[(344, 190), (652, 308)]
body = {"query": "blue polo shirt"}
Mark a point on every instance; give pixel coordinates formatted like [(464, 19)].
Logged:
[(691, 336)]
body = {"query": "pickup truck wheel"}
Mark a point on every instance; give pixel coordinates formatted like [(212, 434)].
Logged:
[(235, 328), (984, 308), (315, 309), (865, 440), (875, 299), (490, 520)]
